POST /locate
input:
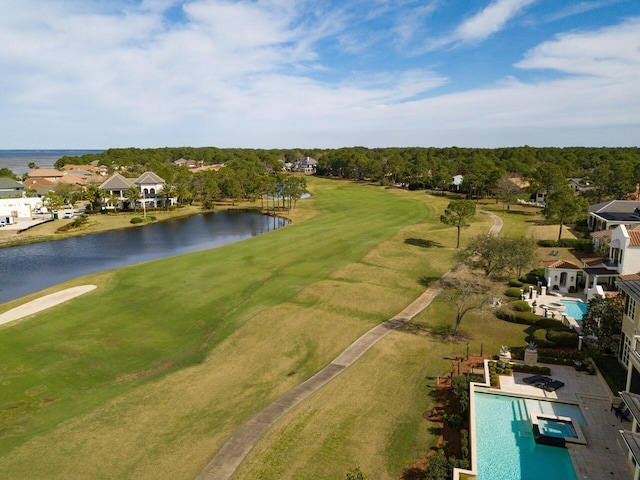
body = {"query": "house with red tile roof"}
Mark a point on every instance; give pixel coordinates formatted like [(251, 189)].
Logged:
[(561, 275)]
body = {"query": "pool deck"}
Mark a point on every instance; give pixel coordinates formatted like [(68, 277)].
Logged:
[(605, 455)]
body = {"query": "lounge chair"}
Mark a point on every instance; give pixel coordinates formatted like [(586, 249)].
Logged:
[(535, 379), (622, 411), (553, 385)]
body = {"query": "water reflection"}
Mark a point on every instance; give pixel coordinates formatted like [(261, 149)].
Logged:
[(29, 268)]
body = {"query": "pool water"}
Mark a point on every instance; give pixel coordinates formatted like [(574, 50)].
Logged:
[(574, 309), (556, 428), (506, 449)]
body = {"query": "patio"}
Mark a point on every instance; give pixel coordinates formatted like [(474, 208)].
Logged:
[(605, 455)]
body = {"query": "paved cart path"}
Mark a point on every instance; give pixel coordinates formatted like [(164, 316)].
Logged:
[(232, 453)]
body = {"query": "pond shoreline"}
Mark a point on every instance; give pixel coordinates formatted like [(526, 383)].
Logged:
[(18, 237)]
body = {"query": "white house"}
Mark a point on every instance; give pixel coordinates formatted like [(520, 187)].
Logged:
[(149, 184), (561, 275)]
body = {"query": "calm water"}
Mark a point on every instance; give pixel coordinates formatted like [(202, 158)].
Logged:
[(505, 444), (18, 160), (29, 268)]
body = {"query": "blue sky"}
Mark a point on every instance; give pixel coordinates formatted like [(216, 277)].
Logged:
[(319, 73)]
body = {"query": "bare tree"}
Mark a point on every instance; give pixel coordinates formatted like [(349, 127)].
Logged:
[(465, 292)]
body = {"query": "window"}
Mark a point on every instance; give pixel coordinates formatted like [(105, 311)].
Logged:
[(625, 347), (630, 307)]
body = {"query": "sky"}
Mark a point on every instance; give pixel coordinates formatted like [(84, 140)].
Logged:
[(319, 73)]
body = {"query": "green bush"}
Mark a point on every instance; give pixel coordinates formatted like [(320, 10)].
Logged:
[(505, 313), (534, 276), (518, 367), (550, 323), (515, 283), (540, 337), (513, 292), (522, 318), (520, 306), (136, 220), (563, 338)]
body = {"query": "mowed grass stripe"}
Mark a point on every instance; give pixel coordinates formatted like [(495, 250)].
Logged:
[(101, 358)]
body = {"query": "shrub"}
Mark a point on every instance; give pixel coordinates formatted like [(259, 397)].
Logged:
[(513, 292), (520, 306), (136, 220), (534, 276), (550, 323), (515, 283), (563, 338), (540, 337), (505, 313), (518, 367)]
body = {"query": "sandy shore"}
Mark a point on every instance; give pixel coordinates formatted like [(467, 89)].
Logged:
[(43, 303)]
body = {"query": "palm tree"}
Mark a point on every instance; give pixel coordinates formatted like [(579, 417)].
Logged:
[(132, 195), (167, 192)]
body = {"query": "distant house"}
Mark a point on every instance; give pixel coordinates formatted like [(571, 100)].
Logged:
[(10, 188), (613, 213), (46, 173), (456, 182), (183, 162), (306, 165), (149, 184), (580, 185)]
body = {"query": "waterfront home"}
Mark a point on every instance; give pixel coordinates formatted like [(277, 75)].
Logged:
[(149, 184)]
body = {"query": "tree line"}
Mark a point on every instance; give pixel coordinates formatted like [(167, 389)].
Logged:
[(611, 172)]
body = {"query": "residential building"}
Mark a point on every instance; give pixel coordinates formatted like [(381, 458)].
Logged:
[(10, 188), (613, 213), (149, 184)]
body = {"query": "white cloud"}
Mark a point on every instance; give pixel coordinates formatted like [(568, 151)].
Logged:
[(609, 52), (489, 21), (244, 74)]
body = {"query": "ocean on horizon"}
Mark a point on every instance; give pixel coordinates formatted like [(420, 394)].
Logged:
[(18, 160)]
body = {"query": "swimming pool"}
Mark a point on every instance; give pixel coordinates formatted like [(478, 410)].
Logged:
[(505, 446), (574, 309)]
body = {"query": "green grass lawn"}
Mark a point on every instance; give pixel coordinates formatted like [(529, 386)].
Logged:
[(149, 375)]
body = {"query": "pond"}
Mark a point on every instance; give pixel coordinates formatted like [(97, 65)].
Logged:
[(30, 268)]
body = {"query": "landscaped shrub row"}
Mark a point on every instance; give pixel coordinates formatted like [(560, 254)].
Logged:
[(584, 245), (520, 306), (523, 318), (517, 367), (513, 292)]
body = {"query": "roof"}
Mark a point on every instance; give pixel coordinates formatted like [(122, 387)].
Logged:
[(634, 238), (148, 177), (117, 182), (6, 182), (564, 264), (39, 183), (602, 234), (633, 442), (621, 217), (600, 271), (632, 400), (619, 206), (45, 172), (630, 284), (590, 262)]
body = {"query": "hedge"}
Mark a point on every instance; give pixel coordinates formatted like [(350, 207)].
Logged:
[(540, 337), (513, 292), (523, 318), (520, 306), (563, 338), (584, 245)]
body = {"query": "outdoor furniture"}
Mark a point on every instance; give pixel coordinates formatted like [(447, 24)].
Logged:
[(553, 385), (622, 411), (535, 379)]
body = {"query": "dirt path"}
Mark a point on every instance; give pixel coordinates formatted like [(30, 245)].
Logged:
[(232, 453)]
